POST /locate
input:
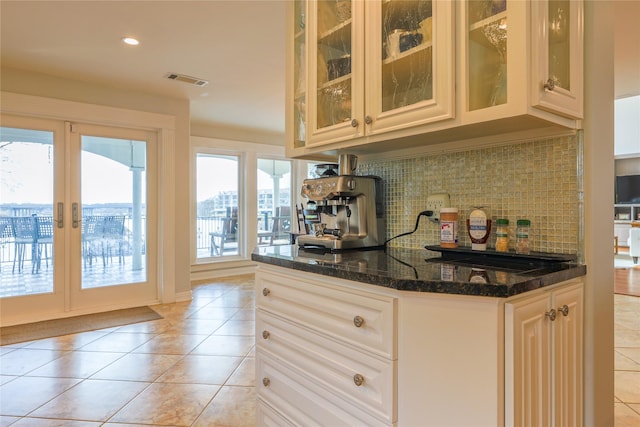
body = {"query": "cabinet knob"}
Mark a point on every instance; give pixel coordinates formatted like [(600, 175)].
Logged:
[(550, 84), (354, 123), (266, 291), (368, 120), (266, 381), (551, 314), (358, 380), (358, 321), (564, 310), (266, 335)]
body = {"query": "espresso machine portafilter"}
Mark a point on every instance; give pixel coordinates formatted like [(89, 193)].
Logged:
[(346, 210)]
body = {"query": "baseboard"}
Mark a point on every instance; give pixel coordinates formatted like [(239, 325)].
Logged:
[(198, 276)]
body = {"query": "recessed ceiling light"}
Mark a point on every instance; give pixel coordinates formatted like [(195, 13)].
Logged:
[(130, 41)]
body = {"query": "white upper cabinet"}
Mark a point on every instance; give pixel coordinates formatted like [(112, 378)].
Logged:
[(557, 62), (381, 75), (377, 66), (522, 59)]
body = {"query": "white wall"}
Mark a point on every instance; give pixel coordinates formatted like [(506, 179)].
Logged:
[(598, 209), (627, 127)]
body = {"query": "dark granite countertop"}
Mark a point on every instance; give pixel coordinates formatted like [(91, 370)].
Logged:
[(421, 270)]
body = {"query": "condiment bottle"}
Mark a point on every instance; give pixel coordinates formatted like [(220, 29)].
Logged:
[(522, 236), (502, 235), (479, 228), (449, 227)]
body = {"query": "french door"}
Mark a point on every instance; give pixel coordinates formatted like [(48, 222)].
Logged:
[(76, 218)]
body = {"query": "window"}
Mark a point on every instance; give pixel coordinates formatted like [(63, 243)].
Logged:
[(274, 202), (218, 229)]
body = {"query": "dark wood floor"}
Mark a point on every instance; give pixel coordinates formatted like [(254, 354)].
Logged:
[(627, 280)]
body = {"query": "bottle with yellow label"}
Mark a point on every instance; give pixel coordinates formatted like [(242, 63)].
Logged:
[(502, 235)]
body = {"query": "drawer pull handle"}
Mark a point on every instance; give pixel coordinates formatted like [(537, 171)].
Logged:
[(551, 314), (266, 335), (358, 380), (358, 321), (266, 291), (266, 381), (564, 310)]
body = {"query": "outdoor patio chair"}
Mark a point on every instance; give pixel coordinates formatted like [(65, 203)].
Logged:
[(6, 235), (43, 240), (24, 233), (281, 224), (92, 227), (227, 233), (113, 238)]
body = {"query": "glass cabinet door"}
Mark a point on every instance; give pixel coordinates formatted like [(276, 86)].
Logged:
[(410, 70), (559, 44), (487, 53), (334, 62), (299, 73), (336, 77), (557, 39), (407, 55)]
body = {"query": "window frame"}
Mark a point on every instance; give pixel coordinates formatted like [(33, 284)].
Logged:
[(242, 221)]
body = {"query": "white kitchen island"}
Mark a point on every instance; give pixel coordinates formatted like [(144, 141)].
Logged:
[(333, 351)]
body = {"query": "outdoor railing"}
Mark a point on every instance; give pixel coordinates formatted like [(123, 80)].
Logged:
[(204, 226)]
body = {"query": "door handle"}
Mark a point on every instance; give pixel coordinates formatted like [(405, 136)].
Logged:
[(74, 215), (60, 215)]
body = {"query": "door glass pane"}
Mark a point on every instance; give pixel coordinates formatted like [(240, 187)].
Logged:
[(217, 225), (113, 191), (334, 62), (299, 72), (559, 45), (26, 223), (276, 220), (487, 53), (407, 53)]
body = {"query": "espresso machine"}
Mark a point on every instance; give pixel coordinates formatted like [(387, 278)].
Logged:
[(344, 211)]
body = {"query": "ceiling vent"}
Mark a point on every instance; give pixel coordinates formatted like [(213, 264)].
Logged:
[(187, 79)]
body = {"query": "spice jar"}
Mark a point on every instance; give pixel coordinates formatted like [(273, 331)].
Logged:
[(449, 227), (522, 236), (502, 235)]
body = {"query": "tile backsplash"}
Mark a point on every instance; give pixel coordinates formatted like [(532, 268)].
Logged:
[(537, 180)]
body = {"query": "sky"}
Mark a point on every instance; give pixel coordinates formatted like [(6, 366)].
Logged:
[(26, 171), (26, 176)]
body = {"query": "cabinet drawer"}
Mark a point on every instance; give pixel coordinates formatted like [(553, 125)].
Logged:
[(332, 365), (266, 416), (301, 400), (363, 320)]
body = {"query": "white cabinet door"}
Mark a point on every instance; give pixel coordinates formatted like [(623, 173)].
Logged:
[(528, 362), (544, 359), (557, 62), (567, 356), (411, 83), (335, 71), (510, 50)]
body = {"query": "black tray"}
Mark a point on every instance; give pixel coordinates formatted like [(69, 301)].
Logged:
[(467, 252)]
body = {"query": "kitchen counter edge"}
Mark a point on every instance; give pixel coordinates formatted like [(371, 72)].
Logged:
[(518, 284)]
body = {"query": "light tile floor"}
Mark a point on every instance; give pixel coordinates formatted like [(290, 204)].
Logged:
[(627, 361), (194, 367)]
